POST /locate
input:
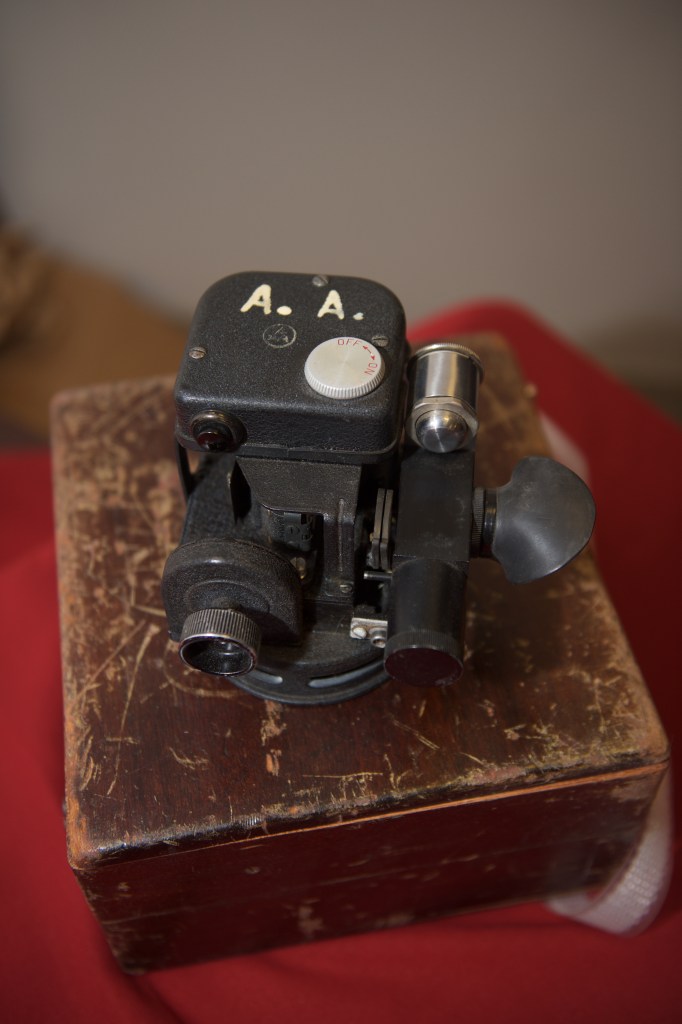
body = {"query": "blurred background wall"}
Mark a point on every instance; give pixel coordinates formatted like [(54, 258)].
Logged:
[(529, 150)]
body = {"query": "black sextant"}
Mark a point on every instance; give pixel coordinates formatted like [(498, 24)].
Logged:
[(331, 508)]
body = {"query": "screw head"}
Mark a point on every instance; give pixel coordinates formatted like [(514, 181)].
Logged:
[(320, 280), (197, 352), (378, 636)]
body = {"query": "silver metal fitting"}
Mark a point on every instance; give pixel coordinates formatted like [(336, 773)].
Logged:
[(443, 394), (374, 630)]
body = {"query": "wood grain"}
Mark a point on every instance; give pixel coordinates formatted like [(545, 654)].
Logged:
[(185, 802)]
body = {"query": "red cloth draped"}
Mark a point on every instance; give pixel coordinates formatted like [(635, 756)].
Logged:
[(515, 964)]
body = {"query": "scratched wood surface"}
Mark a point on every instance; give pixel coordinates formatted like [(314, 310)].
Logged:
[(551, 702)]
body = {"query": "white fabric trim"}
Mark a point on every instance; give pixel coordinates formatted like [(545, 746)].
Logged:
[(631, 900)]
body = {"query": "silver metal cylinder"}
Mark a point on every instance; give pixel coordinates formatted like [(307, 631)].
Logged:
[(443, 394)]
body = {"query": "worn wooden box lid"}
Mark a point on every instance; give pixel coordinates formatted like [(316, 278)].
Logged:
[(186, 802)]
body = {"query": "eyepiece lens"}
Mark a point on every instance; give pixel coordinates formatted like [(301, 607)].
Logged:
[(220, 641), (216, 656)]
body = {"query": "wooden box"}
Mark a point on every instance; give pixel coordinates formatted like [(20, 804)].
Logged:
[(204, 822)]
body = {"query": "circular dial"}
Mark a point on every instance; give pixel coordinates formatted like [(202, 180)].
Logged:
[(344, 368)]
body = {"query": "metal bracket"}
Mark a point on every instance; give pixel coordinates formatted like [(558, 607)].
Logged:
[(373, 630), (379, 556)]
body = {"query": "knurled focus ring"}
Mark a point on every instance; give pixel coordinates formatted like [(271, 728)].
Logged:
[(221, 641)]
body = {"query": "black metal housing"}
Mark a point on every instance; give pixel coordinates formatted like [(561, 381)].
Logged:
[(252, 369), (295, 576)]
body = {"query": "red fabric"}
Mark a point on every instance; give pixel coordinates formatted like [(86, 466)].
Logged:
[(518, 964)]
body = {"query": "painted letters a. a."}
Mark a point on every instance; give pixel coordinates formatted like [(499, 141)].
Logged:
[(261, 298), (332, 304)]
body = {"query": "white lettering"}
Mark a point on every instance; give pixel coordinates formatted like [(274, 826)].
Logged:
[(262, 298), (332, 304)]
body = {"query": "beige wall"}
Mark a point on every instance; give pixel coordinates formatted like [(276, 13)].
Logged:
[(524, 149)]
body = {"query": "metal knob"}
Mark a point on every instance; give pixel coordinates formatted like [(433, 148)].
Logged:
[(536, 523), (344, 368)]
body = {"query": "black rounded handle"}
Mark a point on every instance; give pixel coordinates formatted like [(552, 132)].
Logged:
[(539, 521)]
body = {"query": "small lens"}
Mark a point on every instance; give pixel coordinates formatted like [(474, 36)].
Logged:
[(218, 657), (212, 439), (215, 432), (220, 641)]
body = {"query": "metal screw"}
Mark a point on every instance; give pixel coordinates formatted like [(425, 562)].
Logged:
[(197, 353), (359, 632), (380, 340), (378, 637), (320, 280), (345, 588)]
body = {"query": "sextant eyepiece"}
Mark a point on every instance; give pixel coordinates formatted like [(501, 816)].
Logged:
[(220, 641)]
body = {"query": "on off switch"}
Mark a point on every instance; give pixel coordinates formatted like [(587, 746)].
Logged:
[(344, 368)]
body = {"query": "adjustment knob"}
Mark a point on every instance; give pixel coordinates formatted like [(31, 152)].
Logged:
[(344, 368), (538, 522)]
